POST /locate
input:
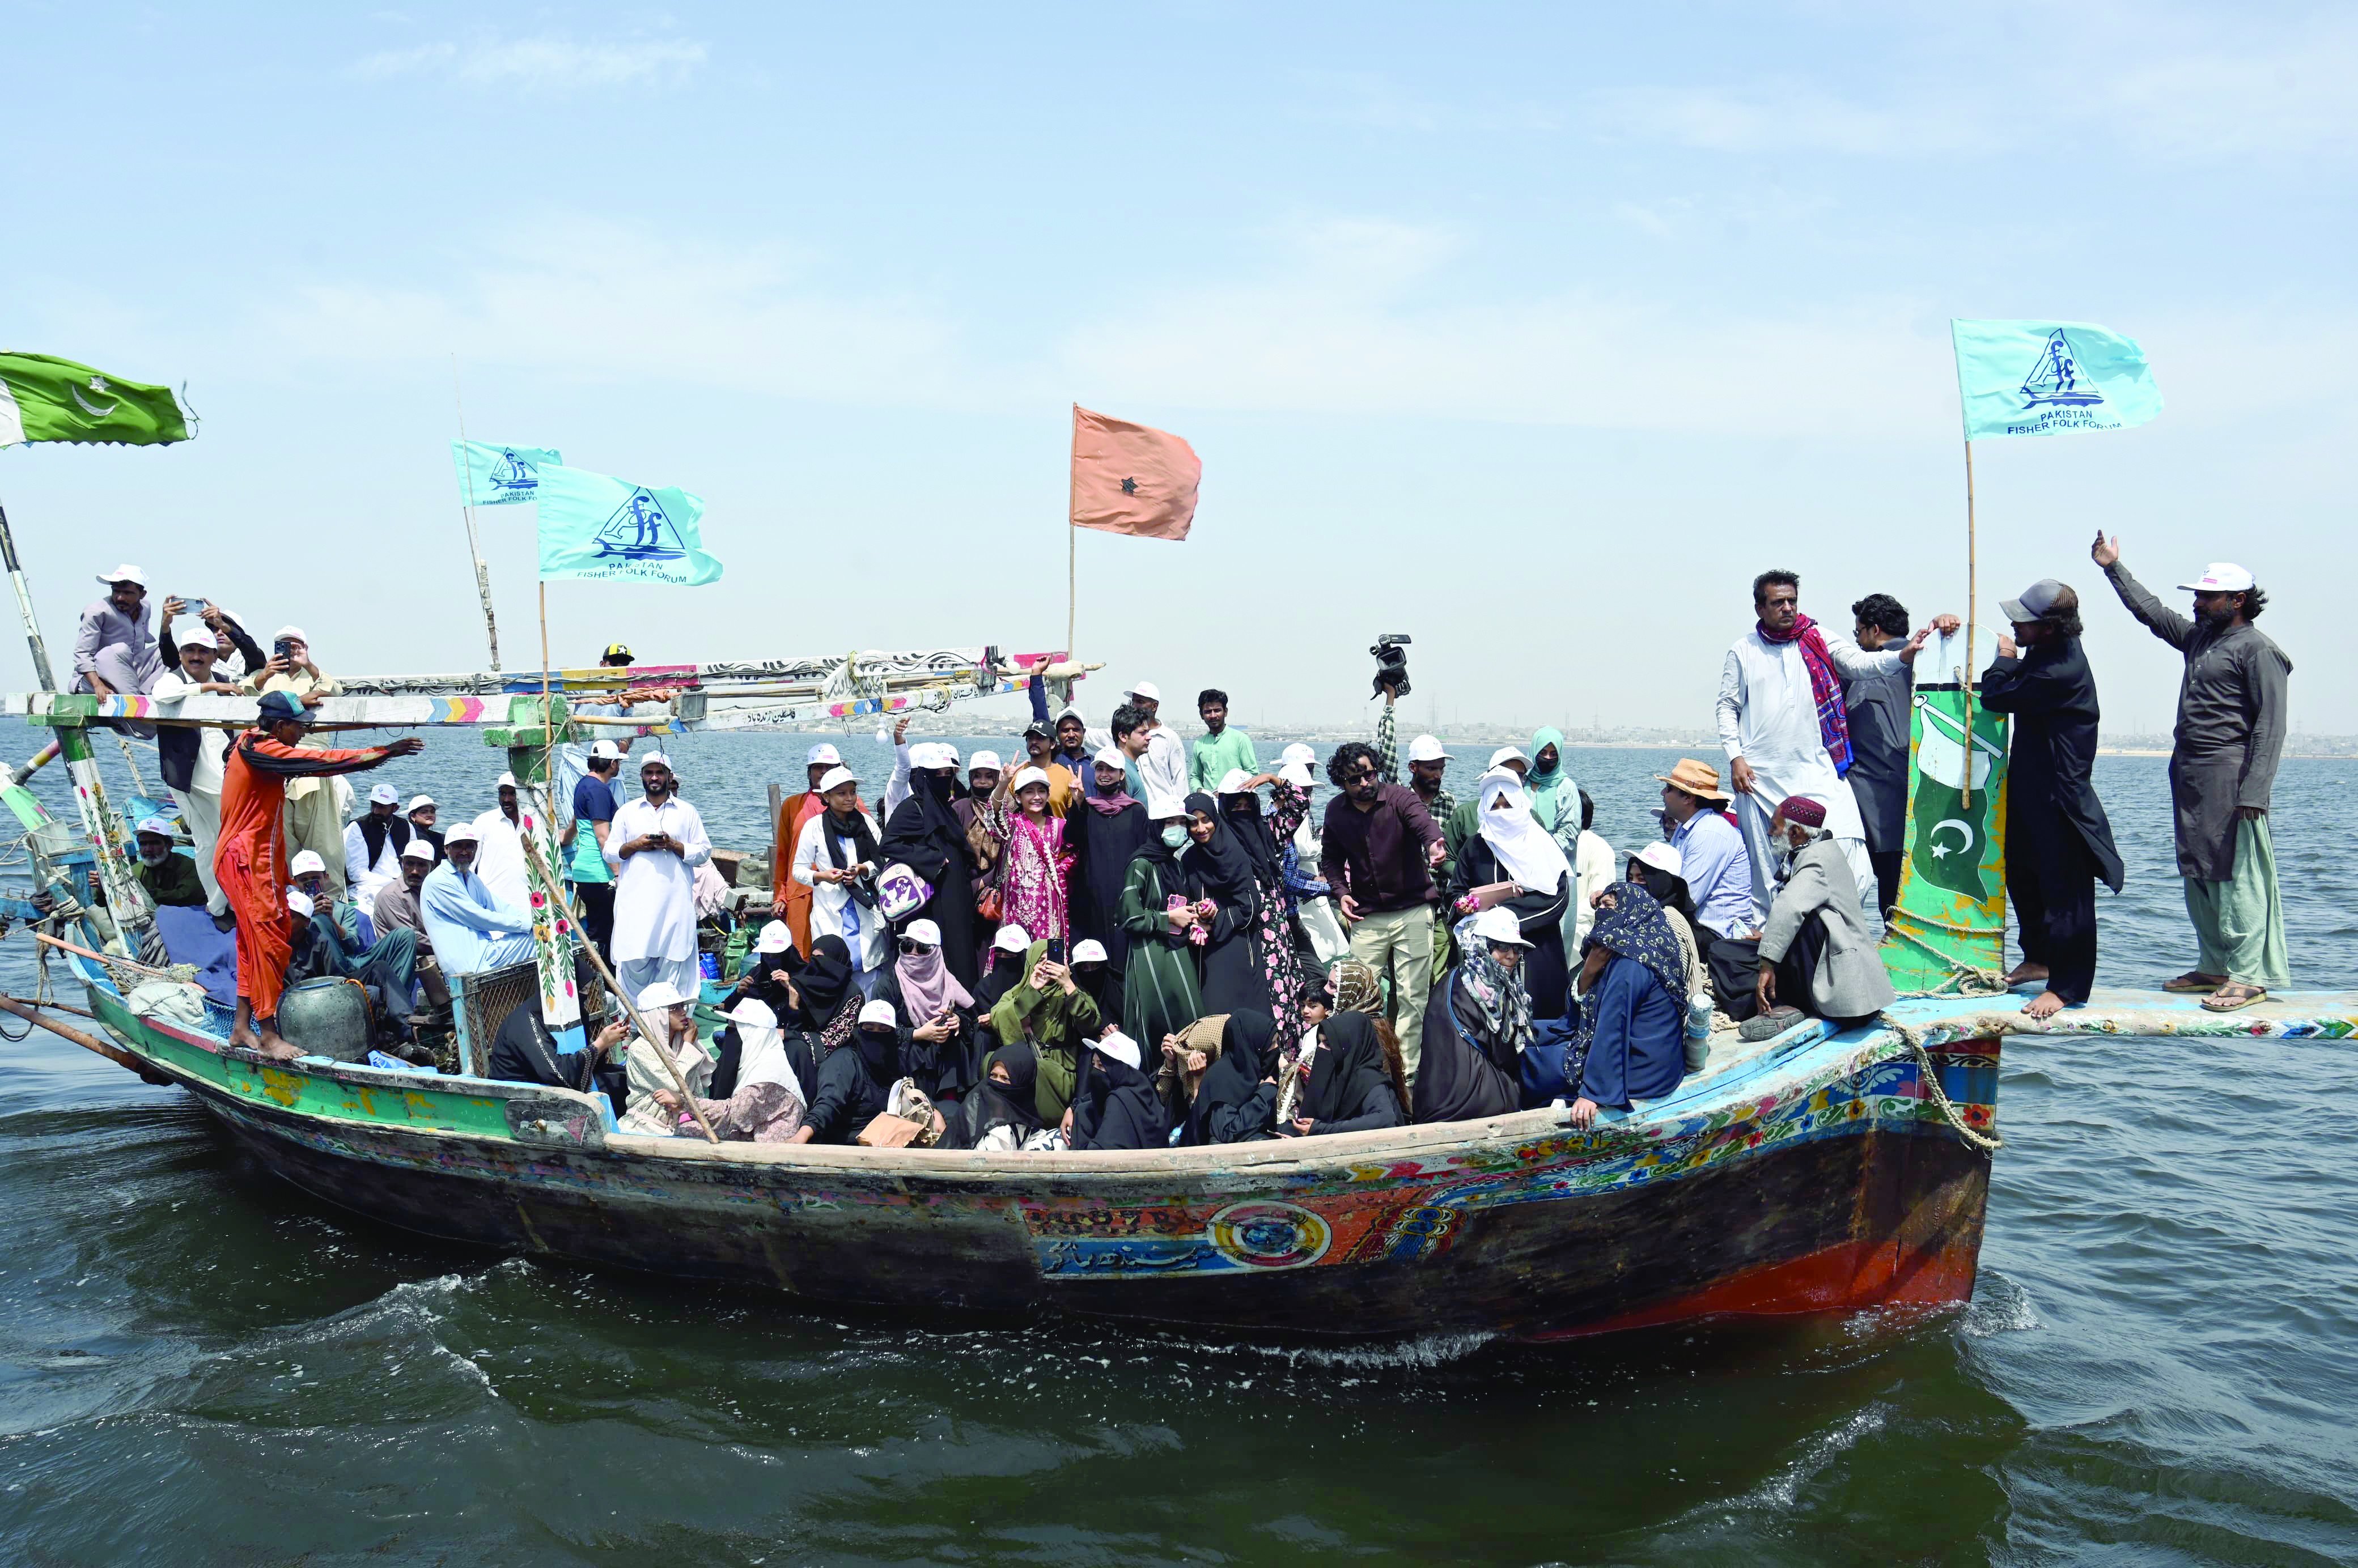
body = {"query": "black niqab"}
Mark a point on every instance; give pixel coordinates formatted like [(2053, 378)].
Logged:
[(1221, 869), (1242, 813), (1249, 1053), (1012, 1104), (1348, 1067), (1118, 1109)]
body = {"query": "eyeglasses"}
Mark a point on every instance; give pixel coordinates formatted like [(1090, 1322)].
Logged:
[(913, 947), (1363, 775)]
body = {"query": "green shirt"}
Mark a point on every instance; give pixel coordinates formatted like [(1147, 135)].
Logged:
[(175, 883), (1216, 754)]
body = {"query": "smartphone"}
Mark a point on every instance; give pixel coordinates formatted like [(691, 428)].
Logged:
[(280, 648), (197, 606)]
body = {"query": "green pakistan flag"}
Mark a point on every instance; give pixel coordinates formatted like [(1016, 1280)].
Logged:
[(1950, 838), (43, 398)]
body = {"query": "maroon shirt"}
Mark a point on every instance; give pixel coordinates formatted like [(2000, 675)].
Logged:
[(1378, 856)]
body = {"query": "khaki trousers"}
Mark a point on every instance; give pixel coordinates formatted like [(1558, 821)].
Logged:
[(1397, 944)]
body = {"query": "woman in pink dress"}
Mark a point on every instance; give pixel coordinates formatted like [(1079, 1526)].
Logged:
[(1035, 868)]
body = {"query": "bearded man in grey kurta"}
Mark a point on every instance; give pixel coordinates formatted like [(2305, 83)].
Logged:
[(2223, 764)]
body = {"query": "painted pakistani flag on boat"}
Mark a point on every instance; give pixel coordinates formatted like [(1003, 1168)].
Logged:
[(44, 398), (2046, 378), (493, 475), (594, 525)]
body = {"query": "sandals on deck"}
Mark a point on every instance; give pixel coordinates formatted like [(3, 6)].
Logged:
[(2193, 980), (2220, 1002)]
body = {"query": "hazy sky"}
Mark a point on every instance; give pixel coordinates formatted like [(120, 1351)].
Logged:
[(1533, 332)]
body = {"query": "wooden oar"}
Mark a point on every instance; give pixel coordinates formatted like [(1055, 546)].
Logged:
[(137, 968), (113, 1053), (662, 1043)]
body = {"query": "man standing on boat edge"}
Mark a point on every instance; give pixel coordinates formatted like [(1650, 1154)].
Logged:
[(2058, 840), (251, 861), (1785, 730), (2223, 766)]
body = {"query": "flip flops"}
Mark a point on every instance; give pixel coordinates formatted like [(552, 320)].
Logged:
[(2220, 1002), (2193, 980)]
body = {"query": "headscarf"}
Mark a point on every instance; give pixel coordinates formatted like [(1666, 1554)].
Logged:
[(1669, 889), (1349, 1063), (1118, 1109), (1241, 813), (1636, 927), (1825, 687), (1223, 867), (933, 794), (830, 1002), (762, 1055), (1249, 1054), (991, 1105), (879, 1051), (928, 985), (1113, 804), (1524, 850), (1501, 1004), (1356, 986), (1553, 793)]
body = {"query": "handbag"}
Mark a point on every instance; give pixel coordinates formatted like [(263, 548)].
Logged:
[(900, 893)]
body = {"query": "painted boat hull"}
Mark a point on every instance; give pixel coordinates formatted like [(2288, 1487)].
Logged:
[(1820, 1178)]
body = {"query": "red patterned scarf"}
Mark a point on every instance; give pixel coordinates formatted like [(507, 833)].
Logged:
[(1833, 723)]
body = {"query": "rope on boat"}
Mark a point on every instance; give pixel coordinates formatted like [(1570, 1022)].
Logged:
[(1987, 1026), (1966, 979)]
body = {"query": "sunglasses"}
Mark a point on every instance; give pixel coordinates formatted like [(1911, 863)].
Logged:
[(912, 947)]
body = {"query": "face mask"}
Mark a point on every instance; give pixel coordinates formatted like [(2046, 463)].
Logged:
[(1174, 836)]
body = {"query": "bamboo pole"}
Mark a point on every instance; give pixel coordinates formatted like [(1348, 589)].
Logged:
[(1971, 583), (1072, 532), (663, 1041), (114, 1054), (475, 544), (135, 966)]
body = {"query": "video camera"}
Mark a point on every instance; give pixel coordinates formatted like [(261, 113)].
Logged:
[(1391, 663)]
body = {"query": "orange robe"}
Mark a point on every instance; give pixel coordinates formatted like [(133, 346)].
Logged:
[(797, 810), (250, 857)]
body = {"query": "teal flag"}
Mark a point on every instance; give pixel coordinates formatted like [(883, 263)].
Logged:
[(2044, 378), (594, 525), (493, 475)]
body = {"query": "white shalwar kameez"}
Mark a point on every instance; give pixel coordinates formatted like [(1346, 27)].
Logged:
[(1768, 716), (655, 895), (499, 854)]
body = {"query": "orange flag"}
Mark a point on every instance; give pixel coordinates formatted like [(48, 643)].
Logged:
[(1129, 478)]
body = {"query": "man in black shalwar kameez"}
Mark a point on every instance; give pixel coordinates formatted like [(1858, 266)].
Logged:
[(2059, 841)]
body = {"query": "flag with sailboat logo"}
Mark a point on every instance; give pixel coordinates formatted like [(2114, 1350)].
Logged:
[(2048, 378), (595, 525), (493, 475), (44, 398)]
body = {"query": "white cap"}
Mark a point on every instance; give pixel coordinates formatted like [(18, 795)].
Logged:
[(126, 572), (1119, 1046), (1112, 757), (833, 777), (1427, 748), (949, 753), (1300, 751), (385, 794), (506, 781), (2221, 577), (462, 834), (823, 752), (981, 762), (1089, 950), (1232, 782), (1012, 938), (305, 862), (1663, 858), (291, 634), (660, 994), (879, 1011), (932, 754), (1147, 689), (654, 758), (1030, 776), (924, 930), (774, 938), (754, 1012), (156, 825), (1499, 924), (606, 750), (418, 850), (189, 632), (1505, 754), (417, 801), (299, 904), (1295, 774)]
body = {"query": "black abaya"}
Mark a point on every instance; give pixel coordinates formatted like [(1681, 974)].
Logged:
[(1103, 845), (1465, 1071), (1222, 871), (925, 835), (1233, 1104), (1118, 1109)]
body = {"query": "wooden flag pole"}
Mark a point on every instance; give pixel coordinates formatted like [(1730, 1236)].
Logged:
[(547, 726), (475, 544), (1972, 582), (1072, 532)]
